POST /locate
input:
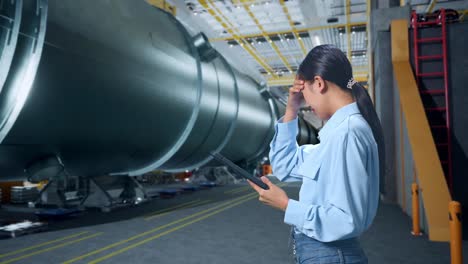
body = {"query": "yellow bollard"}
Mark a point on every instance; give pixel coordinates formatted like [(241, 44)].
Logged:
[(455, 232), (416, 229)]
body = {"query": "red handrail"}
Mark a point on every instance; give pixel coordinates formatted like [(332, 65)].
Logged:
[(447, 100)]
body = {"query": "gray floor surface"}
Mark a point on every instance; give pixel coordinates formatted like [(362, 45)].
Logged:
[(222, 226)]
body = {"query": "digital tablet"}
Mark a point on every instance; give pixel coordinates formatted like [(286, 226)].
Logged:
[(239, 170)]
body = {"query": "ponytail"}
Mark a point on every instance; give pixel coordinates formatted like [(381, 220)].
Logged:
[(366, 107), (333, 65)]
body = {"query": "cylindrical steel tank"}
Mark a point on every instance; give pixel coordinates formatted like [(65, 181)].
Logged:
[(122, 88)]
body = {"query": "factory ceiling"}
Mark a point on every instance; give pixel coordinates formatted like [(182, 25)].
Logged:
[(267, 39), (273, 36)]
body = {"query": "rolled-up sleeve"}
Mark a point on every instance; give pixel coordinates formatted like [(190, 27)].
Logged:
[(343, 214)]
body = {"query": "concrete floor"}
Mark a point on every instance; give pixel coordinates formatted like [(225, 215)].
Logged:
[(219, 225)]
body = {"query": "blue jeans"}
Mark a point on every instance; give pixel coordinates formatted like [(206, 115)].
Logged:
[(307, 250)]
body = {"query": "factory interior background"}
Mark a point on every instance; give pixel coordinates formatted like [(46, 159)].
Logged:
[(112, 113)]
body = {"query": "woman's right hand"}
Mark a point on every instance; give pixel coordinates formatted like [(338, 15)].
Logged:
[(295, 100)]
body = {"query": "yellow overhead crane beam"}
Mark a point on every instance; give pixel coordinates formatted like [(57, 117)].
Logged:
[(281, 81), (265, 35), (164, 5), (348, 27), (431, 6), (289, 31), (370, 66), (463, 13), (288, 80), (291, 23), (292, 57), (245, 44)]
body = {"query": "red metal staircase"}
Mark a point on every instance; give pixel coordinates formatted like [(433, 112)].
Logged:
[(433, 83)]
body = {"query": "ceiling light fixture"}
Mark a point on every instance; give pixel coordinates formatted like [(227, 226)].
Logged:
[(317, 40)]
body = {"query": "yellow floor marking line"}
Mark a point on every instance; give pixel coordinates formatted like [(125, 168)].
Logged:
[(153, 230), (51, 248), (236, 189), (43, 244), (182, 207), (200, 203), (168, 231), (242, 190), (170, 208)]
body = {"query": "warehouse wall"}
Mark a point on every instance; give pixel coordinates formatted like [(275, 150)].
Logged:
[(399, 167), (458, 68), (398, 180), (383, 83), (404, 163)]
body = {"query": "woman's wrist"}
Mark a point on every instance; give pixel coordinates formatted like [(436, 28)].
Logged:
[(289, 115)]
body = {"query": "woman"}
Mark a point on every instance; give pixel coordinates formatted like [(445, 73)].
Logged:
[(339, 194)]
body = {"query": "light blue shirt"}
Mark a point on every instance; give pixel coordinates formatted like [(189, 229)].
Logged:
[(339, 194)]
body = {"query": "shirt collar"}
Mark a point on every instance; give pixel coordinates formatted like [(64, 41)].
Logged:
[(337, 118)]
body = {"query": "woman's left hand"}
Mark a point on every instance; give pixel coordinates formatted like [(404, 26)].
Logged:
[(274, 197)]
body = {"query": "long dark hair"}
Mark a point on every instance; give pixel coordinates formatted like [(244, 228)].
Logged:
[(332, 65)]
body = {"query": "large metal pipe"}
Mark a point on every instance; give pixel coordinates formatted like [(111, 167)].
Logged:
[(125, 93)]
